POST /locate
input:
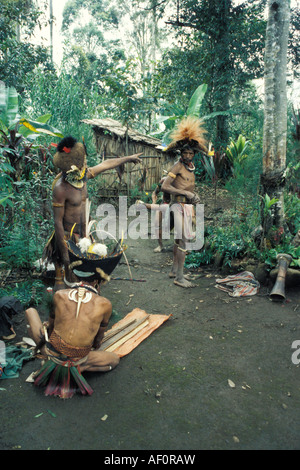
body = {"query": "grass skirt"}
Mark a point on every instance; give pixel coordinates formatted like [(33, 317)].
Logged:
[(62, 380)]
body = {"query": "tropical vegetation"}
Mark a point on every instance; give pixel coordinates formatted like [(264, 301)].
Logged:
[(146, 64)]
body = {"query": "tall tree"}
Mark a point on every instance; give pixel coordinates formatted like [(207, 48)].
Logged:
[(275, 110), (19, 56), (224, 42)]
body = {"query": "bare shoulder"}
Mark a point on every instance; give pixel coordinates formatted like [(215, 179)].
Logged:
[(176, 168), (103, 302), (59, 189), (60, 295)]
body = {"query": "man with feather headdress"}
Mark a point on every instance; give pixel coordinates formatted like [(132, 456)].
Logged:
[(188, 139), (70, 200)]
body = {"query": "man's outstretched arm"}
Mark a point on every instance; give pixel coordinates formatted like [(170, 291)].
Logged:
[(112, 163)]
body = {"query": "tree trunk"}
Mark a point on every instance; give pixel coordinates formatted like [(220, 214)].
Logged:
[(275, 111), (223, 70)]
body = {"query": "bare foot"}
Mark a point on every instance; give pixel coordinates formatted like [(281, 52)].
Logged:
[(186, 276), (158, 249), (184, 283)]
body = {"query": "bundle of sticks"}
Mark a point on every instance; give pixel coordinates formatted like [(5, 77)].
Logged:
[(118, 336)]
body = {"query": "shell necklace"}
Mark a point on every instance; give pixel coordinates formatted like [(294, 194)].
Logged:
[(83, 296)]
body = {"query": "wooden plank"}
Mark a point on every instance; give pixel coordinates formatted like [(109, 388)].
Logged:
[(121, 334), (128, 336), (109, 334)]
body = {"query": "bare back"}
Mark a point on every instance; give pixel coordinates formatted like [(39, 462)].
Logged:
[(82, 330)]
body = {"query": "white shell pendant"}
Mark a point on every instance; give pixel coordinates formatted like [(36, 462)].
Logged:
[(83, 296)]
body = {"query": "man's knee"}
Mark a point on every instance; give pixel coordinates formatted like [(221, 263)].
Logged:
[(115, 360), (31, 313)]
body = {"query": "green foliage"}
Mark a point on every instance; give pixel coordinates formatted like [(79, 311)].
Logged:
[(292, 212), (243, 178), (196, 101), (9, 106), (228, 242), (125, 91), (237, 151), (199, 258), (6, 182), (29, 128), (24, 233), (269, 256), (268, 203), (221, 47), (138, 194), (178, 112), (67, 101), (29, 293), (19, 58), (17, 138), (236, 242)]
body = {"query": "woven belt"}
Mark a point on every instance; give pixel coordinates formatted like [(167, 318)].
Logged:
[(179, 198), (64, 348)]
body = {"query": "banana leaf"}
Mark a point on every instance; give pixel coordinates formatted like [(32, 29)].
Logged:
[(28, 127), (9, 106), (196, 101), (215, 114)]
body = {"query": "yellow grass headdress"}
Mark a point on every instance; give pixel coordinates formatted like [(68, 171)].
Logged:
[(189, 133)]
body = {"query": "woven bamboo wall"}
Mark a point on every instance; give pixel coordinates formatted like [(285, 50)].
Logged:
[(153, 160)]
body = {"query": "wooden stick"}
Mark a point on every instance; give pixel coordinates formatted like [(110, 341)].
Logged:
[(128, 336), (121, 334), (115, 331)]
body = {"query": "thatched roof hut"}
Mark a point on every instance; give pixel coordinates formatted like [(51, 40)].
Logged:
[(115, 140)]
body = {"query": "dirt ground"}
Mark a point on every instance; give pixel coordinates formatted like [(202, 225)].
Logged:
[(218, 375)]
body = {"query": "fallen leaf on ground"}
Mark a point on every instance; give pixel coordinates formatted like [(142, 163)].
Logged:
[(231, 384)]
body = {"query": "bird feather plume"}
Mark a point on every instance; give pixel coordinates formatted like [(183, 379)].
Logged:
[(188, 130), (84, 244)]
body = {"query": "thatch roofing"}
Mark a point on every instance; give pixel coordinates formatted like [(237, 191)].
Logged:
[(119, 131)]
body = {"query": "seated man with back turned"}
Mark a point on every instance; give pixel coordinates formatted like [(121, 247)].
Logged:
[(75, 329)]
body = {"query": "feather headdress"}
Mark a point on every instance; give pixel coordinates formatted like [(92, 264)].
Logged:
[(188, 133), (69, 153)]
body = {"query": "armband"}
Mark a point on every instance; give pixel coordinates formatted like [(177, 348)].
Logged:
[(171, 174), (56, 204)]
